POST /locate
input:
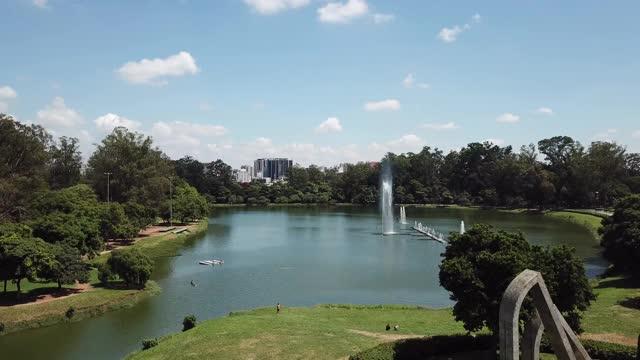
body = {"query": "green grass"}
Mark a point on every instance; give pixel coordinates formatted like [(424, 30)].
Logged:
[(86, 304), (616, 310), (591, 222), (321, 332)]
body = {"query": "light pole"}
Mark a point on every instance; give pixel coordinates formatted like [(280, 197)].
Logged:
[(170, 201), (108, 195)]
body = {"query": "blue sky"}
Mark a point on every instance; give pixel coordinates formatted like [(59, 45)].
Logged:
[(323, 82)]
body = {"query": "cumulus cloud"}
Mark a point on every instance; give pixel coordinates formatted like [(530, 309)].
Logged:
[(154, 71), (444, 126), (270, 7), (410, 81), (42, 4), (58, 115), (545, 110), (493, 141), (406, 143), (7, 92), (331, 125), (383, 18), (450, 34), (384, 105), (508, 118), (342, 12), (106, 123), (179, 138)]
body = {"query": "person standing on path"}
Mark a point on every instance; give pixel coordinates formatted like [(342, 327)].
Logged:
[(277, 308)]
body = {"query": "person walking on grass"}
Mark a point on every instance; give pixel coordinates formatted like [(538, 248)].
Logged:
[(277, 308)]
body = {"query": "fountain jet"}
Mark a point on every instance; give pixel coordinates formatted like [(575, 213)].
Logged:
[(386, 201), (462, 227)]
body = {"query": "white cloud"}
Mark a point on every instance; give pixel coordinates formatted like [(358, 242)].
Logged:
[(179, 138), (409, 81), (342, 12), (384, 105), (383, 18), (110, 121), (154, 71), (4, 107), (545, 110), (57, 114), (449, 35), (40, 3), (508, 118), (445, 126), (263, 142), (409, 139), (498, 142), (423, 86), (270, 7), (406, 143), (6, 92), (476, 18), (331, 125)]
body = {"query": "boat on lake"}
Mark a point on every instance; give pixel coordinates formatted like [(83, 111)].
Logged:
[(211, 262)]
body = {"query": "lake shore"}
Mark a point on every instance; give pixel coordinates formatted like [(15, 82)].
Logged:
[(35, 313)]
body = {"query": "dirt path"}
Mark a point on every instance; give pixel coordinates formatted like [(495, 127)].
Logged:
[(385, 337), (63, 294)]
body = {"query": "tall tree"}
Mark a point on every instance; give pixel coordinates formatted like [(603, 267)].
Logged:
[(564, 156), (65, 163), (621, 235), (137, 170)]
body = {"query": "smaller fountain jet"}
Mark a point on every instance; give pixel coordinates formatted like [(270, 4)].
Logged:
[(403, 216), (462, 227)]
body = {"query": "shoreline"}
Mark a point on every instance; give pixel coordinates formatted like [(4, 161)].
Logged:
[(100, 300)]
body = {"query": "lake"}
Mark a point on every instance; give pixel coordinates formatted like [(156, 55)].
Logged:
[(298, 256)]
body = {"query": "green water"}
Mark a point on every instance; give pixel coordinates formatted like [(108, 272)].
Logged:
[(297, 256)]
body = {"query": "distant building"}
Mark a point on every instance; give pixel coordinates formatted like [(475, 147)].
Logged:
[(275, 168), (242, 176)]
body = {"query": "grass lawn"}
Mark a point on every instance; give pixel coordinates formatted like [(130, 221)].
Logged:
[(321, 332), (591, 222), (86, 304)]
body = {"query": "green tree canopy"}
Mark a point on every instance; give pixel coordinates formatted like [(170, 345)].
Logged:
[(65, 163), (131, 265), (479, 265), (621, 235)]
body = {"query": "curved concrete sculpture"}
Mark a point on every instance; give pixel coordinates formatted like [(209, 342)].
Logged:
[(565, 343)]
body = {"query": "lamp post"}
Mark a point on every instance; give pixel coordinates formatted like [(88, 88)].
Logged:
[(170, 200), (108, 189)]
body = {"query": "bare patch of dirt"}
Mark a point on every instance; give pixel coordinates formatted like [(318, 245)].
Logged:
[(385, 337), (57, 295), (612, 338)]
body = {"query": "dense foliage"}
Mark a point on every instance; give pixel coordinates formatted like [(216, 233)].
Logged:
[(131, 265), (479, 265), (621, 236), (599, 349), (189, 322)]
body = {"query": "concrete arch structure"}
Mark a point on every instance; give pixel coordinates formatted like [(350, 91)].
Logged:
[(565, 343)]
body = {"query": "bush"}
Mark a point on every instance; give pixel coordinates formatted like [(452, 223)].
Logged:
[(70, 312), (424, 348), (104, 273), (1, 327), (189, 322), (149, 343), (131, 265), (598, 349)]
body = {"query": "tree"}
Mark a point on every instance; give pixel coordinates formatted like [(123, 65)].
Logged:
[(22, 257), (621, 235), (479, 265), (138, 169), (23, 159), (188, 205), (131, 265), (191, 171), (115, 224), (65, 163), (65, 267)]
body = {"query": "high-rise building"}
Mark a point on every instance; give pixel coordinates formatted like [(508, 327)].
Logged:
[(275, 168), (242, 176)]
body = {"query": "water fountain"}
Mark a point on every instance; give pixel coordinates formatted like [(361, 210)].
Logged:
[(386, 201), (403, 216), (462, 227)]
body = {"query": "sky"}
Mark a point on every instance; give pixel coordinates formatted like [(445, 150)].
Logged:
[(323, 82)]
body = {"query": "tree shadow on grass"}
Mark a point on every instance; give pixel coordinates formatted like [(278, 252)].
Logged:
[(631, 303), (621, 283), (117, 285), (12, 298)]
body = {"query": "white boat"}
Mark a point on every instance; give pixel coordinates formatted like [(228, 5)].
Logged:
[(211, 262)]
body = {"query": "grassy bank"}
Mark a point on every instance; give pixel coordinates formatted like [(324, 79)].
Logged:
[(90, 303), (321, 332), (591, 222), (86, 304)]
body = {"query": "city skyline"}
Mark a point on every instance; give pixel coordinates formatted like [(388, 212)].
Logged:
[(323, 84)]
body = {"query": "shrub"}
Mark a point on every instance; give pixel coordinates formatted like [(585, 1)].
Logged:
[(104, 273), (1, 327), (70, 312), (149, 343), (132, 266), (598, 349), (189, 322)]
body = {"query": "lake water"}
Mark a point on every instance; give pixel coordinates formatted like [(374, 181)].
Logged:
[(298, 256)]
